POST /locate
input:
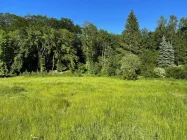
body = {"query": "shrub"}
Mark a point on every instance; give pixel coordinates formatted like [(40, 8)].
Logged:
[(130, 66), (159, 73), (96, 68), (3, 70), (81, 68), (26, 73), (108, 70), (148, 74), (130, 75), (179, 72)]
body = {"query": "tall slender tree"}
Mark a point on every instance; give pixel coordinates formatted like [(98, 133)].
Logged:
[(90, 44), (131, 34)]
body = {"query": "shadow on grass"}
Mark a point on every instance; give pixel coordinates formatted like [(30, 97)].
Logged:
[(11, 91)]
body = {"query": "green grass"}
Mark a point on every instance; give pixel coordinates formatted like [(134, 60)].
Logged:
[(83, 108)]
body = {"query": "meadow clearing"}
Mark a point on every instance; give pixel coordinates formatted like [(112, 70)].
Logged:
[(84, 108)]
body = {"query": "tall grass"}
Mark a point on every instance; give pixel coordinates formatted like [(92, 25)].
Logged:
[(59, 108)]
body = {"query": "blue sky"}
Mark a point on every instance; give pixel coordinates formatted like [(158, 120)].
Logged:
[(106, 14)]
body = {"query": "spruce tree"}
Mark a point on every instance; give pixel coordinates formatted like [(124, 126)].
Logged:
[(132, 34), (166, 55)]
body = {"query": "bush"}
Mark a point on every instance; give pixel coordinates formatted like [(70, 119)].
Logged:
[(96, 68), (159, 73), (179, 72), (130, 75), (26, 73), (108, 70), (130, 66), (81, 68), (148, 74), (3, 70), (35, 74)]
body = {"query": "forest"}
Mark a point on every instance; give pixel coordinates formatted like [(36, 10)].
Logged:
[(41, 44)]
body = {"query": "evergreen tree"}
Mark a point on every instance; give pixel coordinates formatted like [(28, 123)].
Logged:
[(131, 34), (166, 56), (160, 31)]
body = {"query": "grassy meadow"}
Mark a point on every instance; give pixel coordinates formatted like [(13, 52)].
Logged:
[(88, 108)]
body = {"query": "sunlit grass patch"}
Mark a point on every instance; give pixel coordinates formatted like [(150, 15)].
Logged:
[(92, 108)]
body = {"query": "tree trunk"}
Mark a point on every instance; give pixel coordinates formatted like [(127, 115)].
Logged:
[(53, 62)]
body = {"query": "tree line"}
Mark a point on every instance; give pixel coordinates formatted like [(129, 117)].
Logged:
[(36, 43)]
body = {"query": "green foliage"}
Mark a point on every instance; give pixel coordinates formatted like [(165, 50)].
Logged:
[(131, 34), (110, 66), (81, 68), (42, 63), (159, 72), (3, 69), (5, 53), (180, 49), (67, 53), (166, 55), (18, 63), (96, 68), (36, 43), (148, 59), (179, 72), (130, 66), (90, 45), (108, 44), (60, 66)]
